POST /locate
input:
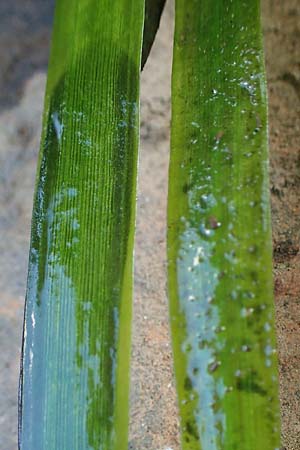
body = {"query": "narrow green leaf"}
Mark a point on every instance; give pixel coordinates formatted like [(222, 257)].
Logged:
[(153, 12), (75, 362), (219, 238)]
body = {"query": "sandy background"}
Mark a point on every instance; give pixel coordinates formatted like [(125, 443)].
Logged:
[(24, 39)]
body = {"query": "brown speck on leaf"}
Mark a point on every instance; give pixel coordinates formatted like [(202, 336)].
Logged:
[(213, 223), (219, 136)]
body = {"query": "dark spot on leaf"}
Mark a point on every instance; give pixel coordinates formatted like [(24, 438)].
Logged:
[(191, 429), (186, 188), (195, 370), (221, 275), (213, 223), (249, 384), (188, 384), (213, 366), (254, 275)]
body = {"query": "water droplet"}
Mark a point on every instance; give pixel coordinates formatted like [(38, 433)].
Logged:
[(246, 312), (122, 124), (246, 348), (233, 295), (268, 350), (219, 329), (196, 261), (86, 306), (248, 87), (213, 366), (33, 320), (58, 126), (230, 256), (206, 231)]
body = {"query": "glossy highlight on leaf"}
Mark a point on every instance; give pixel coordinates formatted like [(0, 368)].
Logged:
[(219, 233), (75, 361)]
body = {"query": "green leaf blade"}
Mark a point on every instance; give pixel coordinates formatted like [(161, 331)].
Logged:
[(75, 374), (219, 238)]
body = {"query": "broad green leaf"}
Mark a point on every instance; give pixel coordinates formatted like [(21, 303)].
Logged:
[(75, 362), (219, 237), (153, 12)]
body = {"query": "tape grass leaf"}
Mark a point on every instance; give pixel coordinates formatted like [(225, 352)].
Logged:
[(75, 361), (219, 233)]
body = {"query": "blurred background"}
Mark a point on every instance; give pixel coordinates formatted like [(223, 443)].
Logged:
[(25, 28)]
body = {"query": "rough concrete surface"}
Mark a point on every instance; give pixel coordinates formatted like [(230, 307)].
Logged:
[(24, 38)]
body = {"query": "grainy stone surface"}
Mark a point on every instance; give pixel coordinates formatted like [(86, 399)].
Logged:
[(24, 37), (154, 418), (282, 42)]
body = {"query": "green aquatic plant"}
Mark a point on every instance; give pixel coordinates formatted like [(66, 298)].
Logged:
[(75, 362), (76, 346), (219, 233)]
